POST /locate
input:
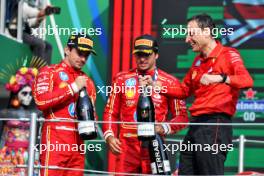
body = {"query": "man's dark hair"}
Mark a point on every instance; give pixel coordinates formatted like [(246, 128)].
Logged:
[(204, 21)]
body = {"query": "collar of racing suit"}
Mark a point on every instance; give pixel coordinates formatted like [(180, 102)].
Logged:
[(69, 68), (149, 72), (214, 53)]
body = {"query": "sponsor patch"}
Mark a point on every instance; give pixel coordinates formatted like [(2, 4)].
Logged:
[(135, 116), (144, 42), (42, 84), (63, 76), (71, 109), (194, 73), (198, 63), (85, 41), (130, 93), (63, 84), (130, 102), (157, 96), (130, 82), (42, 79)]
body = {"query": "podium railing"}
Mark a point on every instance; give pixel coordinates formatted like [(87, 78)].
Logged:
[(33, 133)]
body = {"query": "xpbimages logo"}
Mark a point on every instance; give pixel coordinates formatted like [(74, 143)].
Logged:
[(179, 31), (130, 91), (212, 148), (57, 147), (65, 31)]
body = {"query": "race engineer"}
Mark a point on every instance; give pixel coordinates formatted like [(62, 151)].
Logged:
[(215, 78)]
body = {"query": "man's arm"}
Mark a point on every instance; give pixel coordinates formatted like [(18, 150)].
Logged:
[(240, 78), (46, 95), (171, 88), (179, 90), (111, 111), (179, 115), (111, 114)]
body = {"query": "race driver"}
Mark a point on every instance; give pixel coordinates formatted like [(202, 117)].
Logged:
[(55, 92), (131, 156)]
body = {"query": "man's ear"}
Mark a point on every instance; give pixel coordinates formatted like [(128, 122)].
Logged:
[(67, 51), (156, 56)]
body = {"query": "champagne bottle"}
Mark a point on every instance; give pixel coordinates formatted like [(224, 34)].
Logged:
[(160, 164), (85, 113), (146, 115)]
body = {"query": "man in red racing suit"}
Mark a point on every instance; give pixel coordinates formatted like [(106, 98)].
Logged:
[(121, 106), (56, 92)]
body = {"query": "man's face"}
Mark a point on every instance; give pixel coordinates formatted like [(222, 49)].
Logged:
[(198, 38), (76, 58), (145, 61)]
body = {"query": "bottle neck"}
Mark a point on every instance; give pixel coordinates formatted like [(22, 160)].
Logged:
[(83, 92)]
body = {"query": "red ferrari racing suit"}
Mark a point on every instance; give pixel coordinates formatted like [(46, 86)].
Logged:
[(121, 106), (53, 92), (214, 98)]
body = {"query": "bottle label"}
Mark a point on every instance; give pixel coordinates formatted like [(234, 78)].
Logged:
[(153, 168), (166, 165), (146, 129), (86, 127)]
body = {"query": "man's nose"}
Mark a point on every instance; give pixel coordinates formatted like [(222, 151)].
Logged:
[(142, 58), (187, 39), (83, 58)]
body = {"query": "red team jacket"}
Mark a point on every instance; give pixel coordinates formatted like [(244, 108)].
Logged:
[(121, 106), (53, 92), (214, 98)]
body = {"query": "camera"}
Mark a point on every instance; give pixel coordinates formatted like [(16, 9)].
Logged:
[(52, 10)]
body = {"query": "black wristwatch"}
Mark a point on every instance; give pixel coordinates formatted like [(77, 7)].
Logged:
[(224, 76)]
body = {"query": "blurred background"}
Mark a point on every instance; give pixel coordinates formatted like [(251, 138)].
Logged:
[(114, 24)]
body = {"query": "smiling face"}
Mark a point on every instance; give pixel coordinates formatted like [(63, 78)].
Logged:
[(146, 62), (197, 37), (76, 58)]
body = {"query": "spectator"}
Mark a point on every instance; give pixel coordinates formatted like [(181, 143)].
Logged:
[(32, 18)]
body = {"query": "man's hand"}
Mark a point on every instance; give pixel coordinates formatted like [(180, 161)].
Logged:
[(80, 82), (145, 80), (159, 129), (210, 79), (114, 145)]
